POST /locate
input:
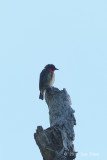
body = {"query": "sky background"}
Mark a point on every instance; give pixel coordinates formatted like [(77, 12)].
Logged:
[(72, 35)]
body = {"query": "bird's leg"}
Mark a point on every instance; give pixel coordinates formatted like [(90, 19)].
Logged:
[(48, 88)]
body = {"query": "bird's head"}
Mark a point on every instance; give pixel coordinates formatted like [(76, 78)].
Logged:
[(51, 67)]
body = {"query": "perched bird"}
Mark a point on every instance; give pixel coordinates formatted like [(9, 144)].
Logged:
[(47, 78)]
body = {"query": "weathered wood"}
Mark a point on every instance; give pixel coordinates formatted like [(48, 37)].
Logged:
[(56, 142)]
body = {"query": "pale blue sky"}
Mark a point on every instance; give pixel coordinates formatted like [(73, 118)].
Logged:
[(73, 36)]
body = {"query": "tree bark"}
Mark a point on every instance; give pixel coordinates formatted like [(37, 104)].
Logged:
[(56, 142)]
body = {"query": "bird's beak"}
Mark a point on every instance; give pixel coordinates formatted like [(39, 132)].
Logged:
[(56, 69)]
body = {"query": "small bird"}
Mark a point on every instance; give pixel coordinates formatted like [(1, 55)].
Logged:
[(47, 78)]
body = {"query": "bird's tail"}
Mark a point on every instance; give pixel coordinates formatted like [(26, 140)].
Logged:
[(41, 96)]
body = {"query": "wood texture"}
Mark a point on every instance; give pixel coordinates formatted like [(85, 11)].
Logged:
[(56, 142)]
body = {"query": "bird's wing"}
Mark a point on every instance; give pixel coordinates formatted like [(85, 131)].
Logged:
[(43, 78)]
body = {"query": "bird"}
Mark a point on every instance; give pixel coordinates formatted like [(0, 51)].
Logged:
[(47, 78)]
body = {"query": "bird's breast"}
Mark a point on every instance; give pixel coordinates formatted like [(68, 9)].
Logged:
[(51, 79)]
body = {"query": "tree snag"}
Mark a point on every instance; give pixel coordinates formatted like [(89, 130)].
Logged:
[(56, 142)]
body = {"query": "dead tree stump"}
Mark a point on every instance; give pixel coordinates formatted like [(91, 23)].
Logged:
[(56, 142)]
